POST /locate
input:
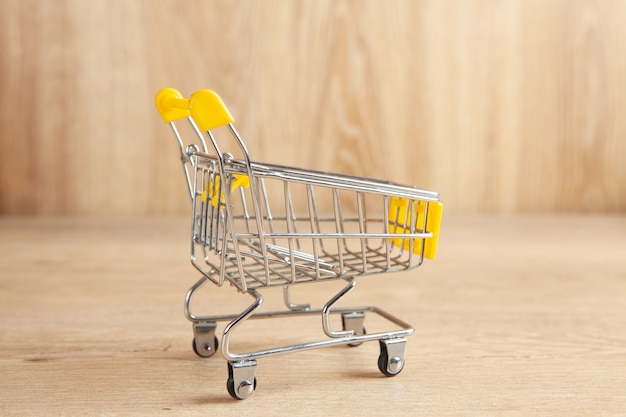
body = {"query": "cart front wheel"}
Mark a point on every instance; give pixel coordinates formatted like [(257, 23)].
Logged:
[(391, 358), (241, 382), (245, 389)]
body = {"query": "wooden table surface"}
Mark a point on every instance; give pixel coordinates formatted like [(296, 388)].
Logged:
[(517, 316)]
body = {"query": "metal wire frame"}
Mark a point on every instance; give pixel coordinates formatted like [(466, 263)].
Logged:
[(259, 247), (242, 240)]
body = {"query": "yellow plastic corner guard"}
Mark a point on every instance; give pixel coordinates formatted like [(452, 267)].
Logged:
[(239, 181), (205, 107), (433, 224), (398, 212)]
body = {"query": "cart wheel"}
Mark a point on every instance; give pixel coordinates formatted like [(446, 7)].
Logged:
[(354, 322), (241, 382), (355, 344), (245, 390), (204, 339), (391, 365), (206, 350)]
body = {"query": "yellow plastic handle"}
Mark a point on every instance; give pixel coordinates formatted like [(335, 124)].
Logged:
[(171, 105), (208, 110), (205, 107)]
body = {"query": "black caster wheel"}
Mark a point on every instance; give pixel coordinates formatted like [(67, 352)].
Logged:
[(354, 322), (355, 344), (206, 350), (244, 390), (241, 382), (390, 366)]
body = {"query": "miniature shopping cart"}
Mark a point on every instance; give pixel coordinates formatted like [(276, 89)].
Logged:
[(261, 225)]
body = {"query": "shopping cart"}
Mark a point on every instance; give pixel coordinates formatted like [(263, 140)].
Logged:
[(260, 225)]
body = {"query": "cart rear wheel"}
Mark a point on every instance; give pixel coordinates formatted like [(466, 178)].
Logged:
[(355, 344), (206, 350), (354, 321)]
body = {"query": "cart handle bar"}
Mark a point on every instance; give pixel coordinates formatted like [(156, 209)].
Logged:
[(205, 107)]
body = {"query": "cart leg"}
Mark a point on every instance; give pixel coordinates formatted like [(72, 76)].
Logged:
[(291, 306), (230, 328), (241, 381), (326, 312), (204, 339), (391, 359), (354, 322)]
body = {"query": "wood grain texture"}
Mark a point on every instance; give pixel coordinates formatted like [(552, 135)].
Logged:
[(507, 323), (501, 106)]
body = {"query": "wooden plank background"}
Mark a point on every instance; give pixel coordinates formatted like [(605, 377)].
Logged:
[(501, 106)]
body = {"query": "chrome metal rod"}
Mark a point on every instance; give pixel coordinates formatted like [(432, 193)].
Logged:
[(405, 330), (292, 306), (190, 316), (230, 327), (326, 312)]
